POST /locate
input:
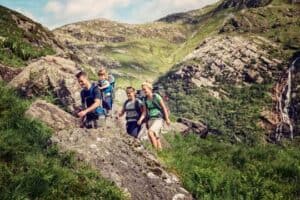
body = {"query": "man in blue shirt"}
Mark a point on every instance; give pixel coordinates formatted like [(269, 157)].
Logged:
[(91, 102)]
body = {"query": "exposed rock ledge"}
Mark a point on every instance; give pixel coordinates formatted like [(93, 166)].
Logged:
[(118, 157)]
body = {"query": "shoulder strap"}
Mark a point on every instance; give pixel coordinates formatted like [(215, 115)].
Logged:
[(137, 106), (156, 103), (125, 104), (91, 90)]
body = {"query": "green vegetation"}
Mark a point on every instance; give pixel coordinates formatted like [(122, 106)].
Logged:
[(279, 23), (30, 168), (18, 45), (235, 115), (217, 170)]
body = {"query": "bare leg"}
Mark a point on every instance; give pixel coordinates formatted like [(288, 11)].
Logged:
[(152, 139), (159, 146)]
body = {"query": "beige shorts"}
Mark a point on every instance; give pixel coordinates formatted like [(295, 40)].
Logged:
[(155, 125)]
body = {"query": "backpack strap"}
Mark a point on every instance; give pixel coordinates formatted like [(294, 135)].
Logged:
[(156, 103)]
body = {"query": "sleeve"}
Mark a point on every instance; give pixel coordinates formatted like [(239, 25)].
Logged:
[(158, 98), (97, 93)]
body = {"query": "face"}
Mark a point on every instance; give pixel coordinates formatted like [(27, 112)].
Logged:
[(83, 81), (130, 94), (101, 77), (147, 90)]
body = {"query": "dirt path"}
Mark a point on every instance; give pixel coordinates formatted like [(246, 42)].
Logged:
[(117, 156)]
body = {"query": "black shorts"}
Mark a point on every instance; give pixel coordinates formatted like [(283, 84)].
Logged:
[(133, 129)]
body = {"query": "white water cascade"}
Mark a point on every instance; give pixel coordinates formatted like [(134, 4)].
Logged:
[(283, 105)]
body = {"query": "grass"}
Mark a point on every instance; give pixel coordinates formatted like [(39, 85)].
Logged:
[(17, 45), (32, 169), (216, 170), (235, 115)]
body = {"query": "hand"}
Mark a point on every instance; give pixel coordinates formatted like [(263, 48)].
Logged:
[(82, 114), (168, 122)]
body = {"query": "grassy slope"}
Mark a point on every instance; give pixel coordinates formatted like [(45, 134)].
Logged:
[(14, 49), (31, 169), (218, 168)]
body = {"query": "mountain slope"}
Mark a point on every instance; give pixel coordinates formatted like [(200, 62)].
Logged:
[(134, 52), (249, 55), (22, 39)]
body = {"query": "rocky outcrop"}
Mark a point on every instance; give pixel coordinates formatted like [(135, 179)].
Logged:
[(50, 76), (31, 32), (194, 127), (8, 73), (117, 156), (228, 59)]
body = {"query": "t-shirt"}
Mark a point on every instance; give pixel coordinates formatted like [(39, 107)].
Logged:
[(88, 96), (132, 114), (154, 110)]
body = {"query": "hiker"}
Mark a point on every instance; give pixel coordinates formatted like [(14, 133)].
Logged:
[(91, 102), (106, 90), (157, 113), (135, 112)]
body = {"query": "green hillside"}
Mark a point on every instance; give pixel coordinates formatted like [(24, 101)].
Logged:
[(21, 39)]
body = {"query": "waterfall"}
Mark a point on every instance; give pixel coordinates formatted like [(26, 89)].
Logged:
[(284, 103)]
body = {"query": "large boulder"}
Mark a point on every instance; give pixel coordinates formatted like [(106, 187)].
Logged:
[(50, 75), (53, 116)]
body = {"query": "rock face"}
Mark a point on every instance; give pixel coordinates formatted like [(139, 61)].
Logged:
[(118, 157), (8, 73), (227, 59), (50, 75)]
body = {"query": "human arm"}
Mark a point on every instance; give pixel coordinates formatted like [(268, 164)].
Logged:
[(92, 107), (143, 116), (95, 105), (105, 85), (165, 111)]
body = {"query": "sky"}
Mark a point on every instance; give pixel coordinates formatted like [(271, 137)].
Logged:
[(55, 13)]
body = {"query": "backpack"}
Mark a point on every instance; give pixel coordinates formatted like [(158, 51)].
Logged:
[(99, 110), (136, 109), (156, 103), (112, 81)]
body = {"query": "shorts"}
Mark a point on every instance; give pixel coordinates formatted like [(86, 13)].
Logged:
[(133, 128), (155, 125)]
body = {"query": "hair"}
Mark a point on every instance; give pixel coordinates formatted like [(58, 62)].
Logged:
[(130, 88), (80, 74), (102, 71), (148, 85)]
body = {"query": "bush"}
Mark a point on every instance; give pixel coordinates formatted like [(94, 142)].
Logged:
[(31, 169)]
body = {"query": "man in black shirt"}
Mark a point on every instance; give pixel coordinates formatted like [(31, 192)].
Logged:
[(91, 102)]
